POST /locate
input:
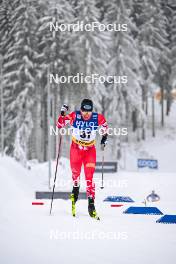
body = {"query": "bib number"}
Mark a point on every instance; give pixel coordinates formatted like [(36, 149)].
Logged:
[(85, 134)]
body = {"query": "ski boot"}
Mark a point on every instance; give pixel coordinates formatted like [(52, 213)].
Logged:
[(74, 198), (91, 208)]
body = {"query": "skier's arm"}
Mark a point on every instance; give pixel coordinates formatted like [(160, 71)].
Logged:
[(64, 119), (104, 127), (102, 122)]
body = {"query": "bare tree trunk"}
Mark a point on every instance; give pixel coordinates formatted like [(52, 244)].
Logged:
[(134, 120), (88, 64), (143, 107), (153, 116), (146, 100), (45, 129), (168, 102), (35, 138), (162, 107)]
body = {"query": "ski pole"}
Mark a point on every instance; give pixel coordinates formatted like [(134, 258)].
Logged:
[(58, 155), (63, 109), (102, 175)]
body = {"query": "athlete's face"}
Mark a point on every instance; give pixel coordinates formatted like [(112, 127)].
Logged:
[(86, 115)]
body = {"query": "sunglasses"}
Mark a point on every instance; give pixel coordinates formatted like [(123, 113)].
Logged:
[(87, 108)]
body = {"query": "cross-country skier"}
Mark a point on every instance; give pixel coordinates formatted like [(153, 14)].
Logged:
[(84, 125)]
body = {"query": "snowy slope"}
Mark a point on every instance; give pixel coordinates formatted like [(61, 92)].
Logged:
[(162, 147), (30, 235)]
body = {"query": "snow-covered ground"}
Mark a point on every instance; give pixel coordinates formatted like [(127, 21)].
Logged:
[(30, 235)]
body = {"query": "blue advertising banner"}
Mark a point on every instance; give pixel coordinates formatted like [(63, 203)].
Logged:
[(143, 163)]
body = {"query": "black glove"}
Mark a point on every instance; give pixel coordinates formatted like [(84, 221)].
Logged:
[(104, 140), (64, 109)]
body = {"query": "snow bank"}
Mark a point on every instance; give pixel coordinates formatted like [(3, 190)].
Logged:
[(30, 235)]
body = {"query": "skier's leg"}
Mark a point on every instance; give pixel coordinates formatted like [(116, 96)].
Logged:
[(75, 163), (89, 161)]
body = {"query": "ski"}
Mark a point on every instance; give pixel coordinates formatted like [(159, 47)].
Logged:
[(95, 216), (72, 198)]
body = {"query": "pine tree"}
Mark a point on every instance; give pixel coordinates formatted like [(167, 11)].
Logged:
[(152, 41), (53, 56), (6, 24), (90, 46), (162, 43), (124, 62), (173, 47), (19, 76)]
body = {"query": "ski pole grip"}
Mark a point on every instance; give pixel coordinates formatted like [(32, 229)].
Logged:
[(64, 108)]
